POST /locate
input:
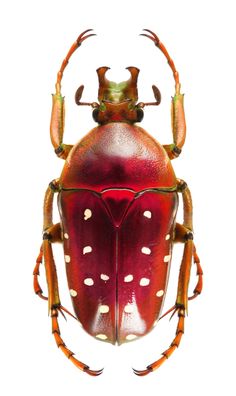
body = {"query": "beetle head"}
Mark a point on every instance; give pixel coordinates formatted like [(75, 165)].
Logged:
[(117, 101)]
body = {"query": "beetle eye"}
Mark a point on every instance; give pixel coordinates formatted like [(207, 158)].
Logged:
[(140, 115), (95, 115)]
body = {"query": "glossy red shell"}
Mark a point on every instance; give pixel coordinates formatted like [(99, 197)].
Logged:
[(118, 224)]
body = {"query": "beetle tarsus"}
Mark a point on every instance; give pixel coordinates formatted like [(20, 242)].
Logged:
[(152, 36), (168, 352), (61, 344), (82, 36), (142, 373), (93, 373)]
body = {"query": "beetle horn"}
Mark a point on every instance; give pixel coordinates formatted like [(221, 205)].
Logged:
[(132, 91), (129, 91), (103, 81)]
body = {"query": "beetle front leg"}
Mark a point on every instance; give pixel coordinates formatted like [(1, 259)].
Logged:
[(58, 104), (55, 308), (177, 104), (57, 126), (178, 126)]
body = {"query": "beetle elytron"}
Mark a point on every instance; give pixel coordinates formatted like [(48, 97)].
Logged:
[(117, 198)]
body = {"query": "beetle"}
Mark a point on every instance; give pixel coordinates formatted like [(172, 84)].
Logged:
[(118, 199)]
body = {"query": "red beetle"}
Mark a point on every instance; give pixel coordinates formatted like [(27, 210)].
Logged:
[(118, 198)]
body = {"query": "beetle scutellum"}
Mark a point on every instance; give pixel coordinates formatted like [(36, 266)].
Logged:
[(117, 198)]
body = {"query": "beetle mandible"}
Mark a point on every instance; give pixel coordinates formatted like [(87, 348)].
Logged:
[(118, 198)]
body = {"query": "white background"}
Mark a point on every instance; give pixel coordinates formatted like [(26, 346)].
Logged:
[(35, 36)]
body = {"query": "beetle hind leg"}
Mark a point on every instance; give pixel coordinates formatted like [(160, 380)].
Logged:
[(180, 307), (52, 233), (37, 288), (165, 355), (69, 354), (183, 233), (55, 236), (198, 288)]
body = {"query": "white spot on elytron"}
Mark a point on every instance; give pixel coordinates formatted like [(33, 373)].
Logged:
[(67, 258), (87, 249), (144, 282), (147, 214), (66, 236), (104, 277), (73, 293), (87, 214), (167, 258), (160, 293), (128, 278), (131, 337), (89, 282), (103, 308), (101, 336), (138, 323), (167, 237), (129, 308), (146, 250)]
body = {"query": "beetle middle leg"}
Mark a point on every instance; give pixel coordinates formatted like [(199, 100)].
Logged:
[(37, 288), (198, 288), (181, 235), (184, 234), (52, 233)]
